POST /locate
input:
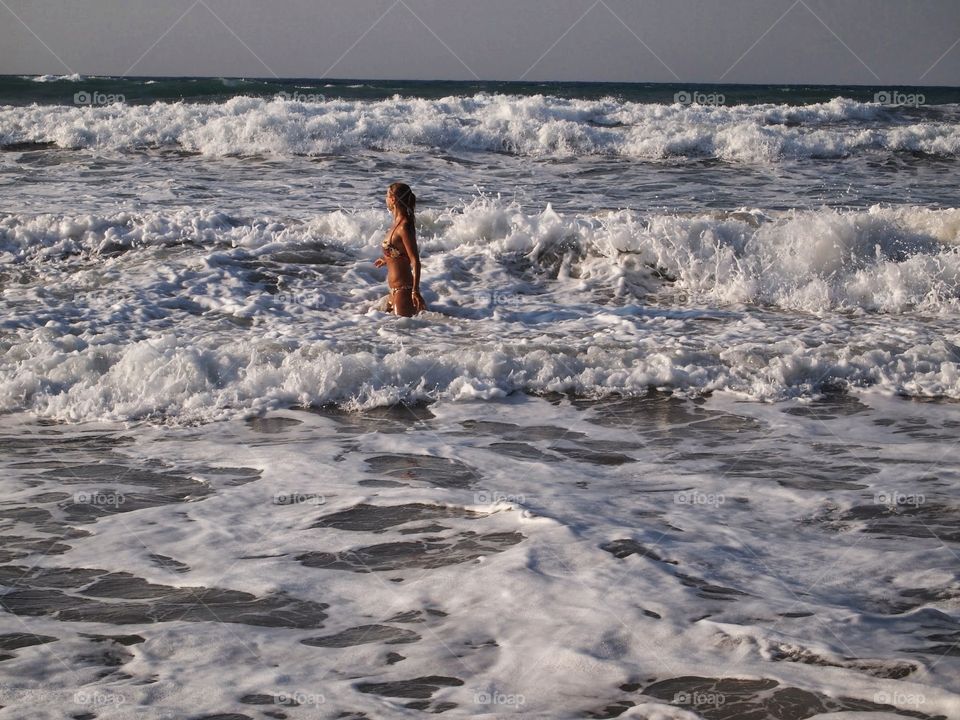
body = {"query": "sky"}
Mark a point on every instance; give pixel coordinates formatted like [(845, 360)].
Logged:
[(861, 42)]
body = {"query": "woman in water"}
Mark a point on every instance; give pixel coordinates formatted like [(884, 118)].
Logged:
[(400, 253)]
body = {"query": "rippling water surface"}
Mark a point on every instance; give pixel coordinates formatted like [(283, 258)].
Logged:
[(676, 439)]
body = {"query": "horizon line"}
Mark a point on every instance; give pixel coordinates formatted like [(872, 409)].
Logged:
[(478, 81)]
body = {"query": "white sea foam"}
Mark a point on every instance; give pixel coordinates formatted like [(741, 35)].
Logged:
[(74, 77), (205, 316), (531, 126), (886, 259)]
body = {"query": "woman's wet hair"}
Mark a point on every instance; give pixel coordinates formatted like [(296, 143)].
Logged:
[(405, 199)]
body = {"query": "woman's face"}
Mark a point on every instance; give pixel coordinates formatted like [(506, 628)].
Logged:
[(389, 201)]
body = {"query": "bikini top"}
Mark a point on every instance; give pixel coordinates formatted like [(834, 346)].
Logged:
[(389, 249)]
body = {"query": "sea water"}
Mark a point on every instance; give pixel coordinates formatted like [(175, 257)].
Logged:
[(676, 439)]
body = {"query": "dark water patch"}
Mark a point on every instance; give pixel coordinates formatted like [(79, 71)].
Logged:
[(626, 547), (913, 598), (945, 643), (381, 483), (229, 476), (391, 420), (437, 471), (43, 441), (31, 515), (417, 616), (921, 428), (168, 563), (105, 472), (364, 634), (660, 416), (708, 590), (602, 446), (591, 457), (39, 592), (738, 699), (915, 517), (15, 576), (49, 497), (124, 585), (419, 687), (427, 553), (522, 451), (519, 433), (831, 407), (260, 699), (113, 656), (424, 529), (17, 640), (323, 256), (613, 710), (27, 146), (43, 546), (377, 518), (885, 669), (125, 640), (816, 474), (272, 425), (103, 484)]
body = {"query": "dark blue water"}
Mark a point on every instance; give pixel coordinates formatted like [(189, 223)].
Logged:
[(18, 90)]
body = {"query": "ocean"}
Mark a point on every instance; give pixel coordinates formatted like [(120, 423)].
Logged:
[(677, 437)]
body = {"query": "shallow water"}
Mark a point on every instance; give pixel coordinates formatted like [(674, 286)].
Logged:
[(547, 557)]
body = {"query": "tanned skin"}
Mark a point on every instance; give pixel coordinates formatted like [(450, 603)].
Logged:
[(404, 270)]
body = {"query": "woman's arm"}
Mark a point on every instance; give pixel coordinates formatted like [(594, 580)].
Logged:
[(408, 235)]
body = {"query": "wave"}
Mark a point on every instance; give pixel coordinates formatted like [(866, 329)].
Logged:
[(185, 378), (534, 126), (75, 77), (883, 259), (193, 316)]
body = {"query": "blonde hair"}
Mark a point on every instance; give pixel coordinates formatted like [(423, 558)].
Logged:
[(405, 199)]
